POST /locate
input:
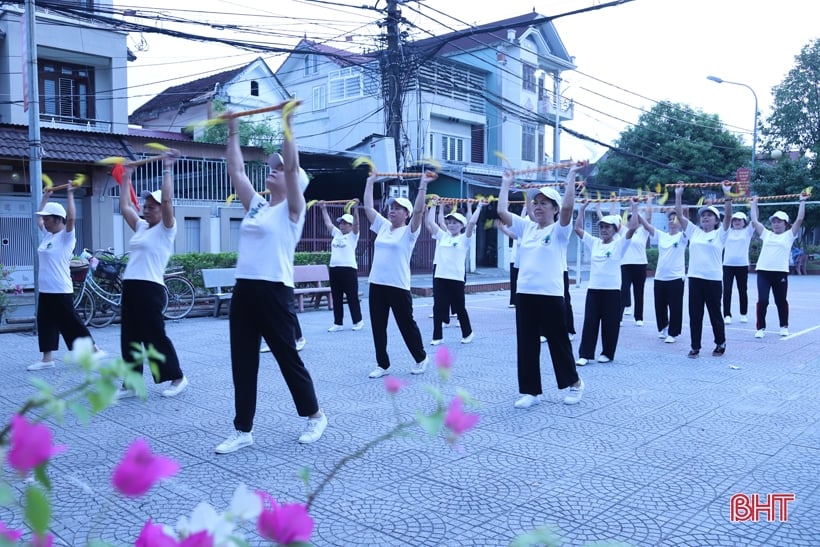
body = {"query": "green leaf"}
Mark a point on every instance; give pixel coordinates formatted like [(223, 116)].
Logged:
[(433, 423), (82, 412), (41, 476), (304, 474), (435, 392), (38, 510)]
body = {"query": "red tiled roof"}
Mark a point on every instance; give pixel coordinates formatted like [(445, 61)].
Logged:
[(63, 145)]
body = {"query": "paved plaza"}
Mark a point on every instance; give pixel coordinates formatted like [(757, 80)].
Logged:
[(651, 456)]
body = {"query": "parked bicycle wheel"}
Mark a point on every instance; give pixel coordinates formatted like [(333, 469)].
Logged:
[(104, 313), (180, 295), (84, 304)]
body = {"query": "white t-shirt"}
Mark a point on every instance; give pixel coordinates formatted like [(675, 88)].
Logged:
[(267, 241), (54, 254), (605, 261), (705, 252), (343, 249), (671, 256), (635, 252), (539, 256), (452, 251), (150, 249), (774, 254), (514, 253), (392, 250), (736, 250)]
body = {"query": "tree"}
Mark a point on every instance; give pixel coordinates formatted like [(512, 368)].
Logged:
[(795, 119), (783, 178), (250, 133), (673, 142)]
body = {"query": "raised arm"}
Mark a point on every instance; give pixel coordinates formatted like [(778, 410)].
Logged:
[(473, 220), (579, 222), (801, 214), (46, 196), (290, 158), (325, 216), (634, 220), (440, 219), (354, 212), (71, 209), (430, 220), (421, 199), (504, 199), (236, 164), (504, 230), (684, 222), (568, 203), (754, 215), (126, 207), (167, 207), (369, 211), (727, 205)]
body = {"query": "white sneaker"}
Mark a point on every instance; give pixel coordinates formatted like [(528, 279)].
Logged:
[(467, 339), (603, 359), (177, 387), (436, 342), (335, 328), (669, 340), (41, 365), (581, 361), (378, 372), (313, 431), (526, 401), (125, 393), (639, 323), (727, 320), (237, 440), (662, 333), (627, 311), (744, 319), (760, 333), (300, 344), (420, 367), (575, 394), (542, 339), (358, 326), (784, 331)]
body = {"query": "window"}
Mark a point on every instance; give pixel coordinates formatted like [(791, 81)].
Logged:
[(311, 65), (254, 88), (345, 84), (528, 78), (66, 91), (319, 97), (452, 148), (528, 142), (192, 234)]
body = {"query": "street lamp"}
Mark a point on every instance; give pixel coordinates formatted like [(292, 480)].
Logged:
[(754, 131)]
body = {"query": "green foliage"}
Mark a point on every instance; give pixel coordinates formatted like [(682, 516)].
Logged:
[(38, 509), (673, 142), (259, 134), (192, 264), (783, 178)]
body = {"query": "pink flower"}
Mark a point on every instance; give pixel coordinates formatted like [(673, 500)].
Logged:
[(139, 469), (42, 541), (31, 445), (393, 385), (444, 359), (200, 539), (153, 535), (286, 523), (9, 534), (456, 420)]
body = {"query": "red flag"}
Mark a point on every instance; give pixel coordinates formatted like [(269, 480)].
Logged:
[(118, 172)]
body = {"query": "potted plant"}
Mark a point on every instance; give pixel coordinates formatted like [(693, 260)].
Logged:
[(7, 289)]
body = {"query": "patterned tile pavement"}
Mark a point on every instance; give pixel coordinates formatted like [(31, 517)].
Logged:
[(651, 456)]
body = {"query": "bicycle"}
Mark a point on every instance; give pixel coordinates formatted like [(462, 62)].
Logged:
[(180, 294), (97, 299)]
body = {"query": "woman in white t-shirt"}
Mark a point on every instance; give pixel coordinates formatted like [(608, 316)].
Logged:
[(705, 270), (390, 274), (773, 263), (263, 293), (55, 313), (540, 306), (633, 270), (602, 309), (736, 266), (448, 281), (344, 269), (143, 286)]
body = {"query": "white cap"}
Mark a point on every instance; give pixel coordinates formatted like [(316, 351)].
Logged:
[(459, 217), (546, 191), (52, 208), (614, 220), (347, 217), (275, 160), (711, 208), (742, 216), (778, 214), (404, 202), (156, 195)]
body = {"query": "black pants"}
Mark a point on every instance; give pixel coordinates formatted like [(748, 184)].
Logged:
[(55, 316), (741, 275), (536, 314), (705, 293), (570, 319), (262, 309), (633, 275), (669, 306), (513, 284), (778, 284), (344, 281), (143, 324), (448, 294), (601, 310), (382, 300)]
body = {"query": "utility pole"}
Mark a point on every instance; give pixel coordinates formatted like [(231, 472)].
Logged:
[(392, 79)]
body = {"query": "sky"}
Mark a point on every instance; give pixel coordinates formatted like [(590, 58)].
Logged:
[(628, 56)]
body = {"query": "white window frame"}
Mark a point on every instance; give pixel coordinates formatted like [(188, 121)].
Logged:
[(319, 97), (528, 80), (528, 142), (347, 83), (311, 65), (452, 148)]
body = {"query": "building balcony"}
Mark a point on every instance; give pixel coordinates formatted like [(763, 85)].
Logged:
[(547, 108)]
